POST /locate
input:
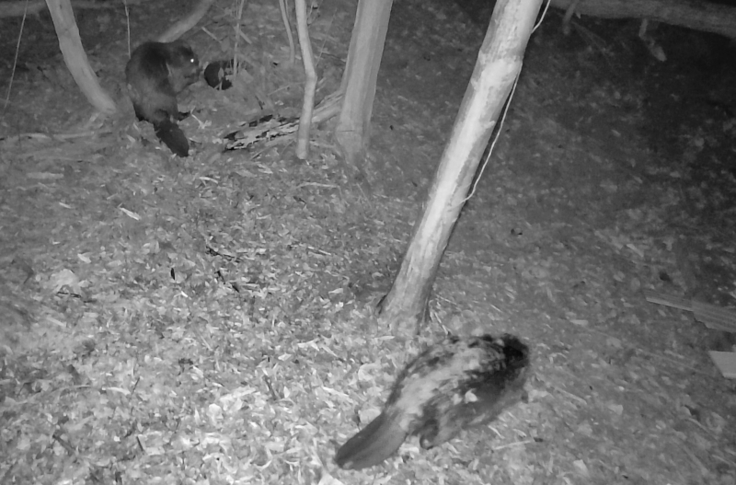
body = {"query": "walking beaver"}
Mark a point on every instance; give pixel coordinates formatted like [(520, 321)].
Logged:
[(452, 385)]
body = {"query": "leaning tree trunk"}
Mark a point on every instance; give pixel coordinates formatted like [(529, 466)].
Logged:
[(76, 58), (498, 65), (184, 24)]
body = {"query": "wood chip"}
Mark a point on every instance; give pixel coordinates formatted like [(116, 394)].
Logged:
[(726, 363), (712, 316)]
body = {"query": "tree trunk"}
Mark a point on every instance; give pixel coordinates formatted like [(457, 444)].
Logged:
[(498, 65), (310, 82), (359, 79)]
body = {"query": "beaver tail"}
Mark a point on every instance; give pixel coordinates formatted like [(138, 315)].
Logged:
[(373, 444), (172, 136)]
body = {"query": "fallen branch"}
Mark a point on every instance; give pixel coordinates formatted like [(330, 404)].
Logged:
[(702, 15), (267, 128), (17, 9)]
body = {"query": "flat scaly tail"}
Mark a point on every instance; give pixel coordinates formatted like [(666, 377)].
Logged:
[(172, 136), (373, 444)]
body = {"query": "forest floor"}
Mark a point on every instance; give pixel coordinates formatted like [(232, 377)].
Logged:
[(210, 320)]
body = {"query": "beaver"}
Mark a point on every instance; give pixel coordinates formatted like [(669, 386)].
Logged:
[(155, 74), (455, 384)]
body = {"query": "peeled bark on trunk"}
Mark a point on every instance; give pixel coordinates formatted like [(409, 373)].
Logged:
[(498, 65)]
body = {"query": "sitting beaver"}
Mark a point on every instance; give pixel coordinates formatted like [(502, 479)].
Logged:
[(156, 73)]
